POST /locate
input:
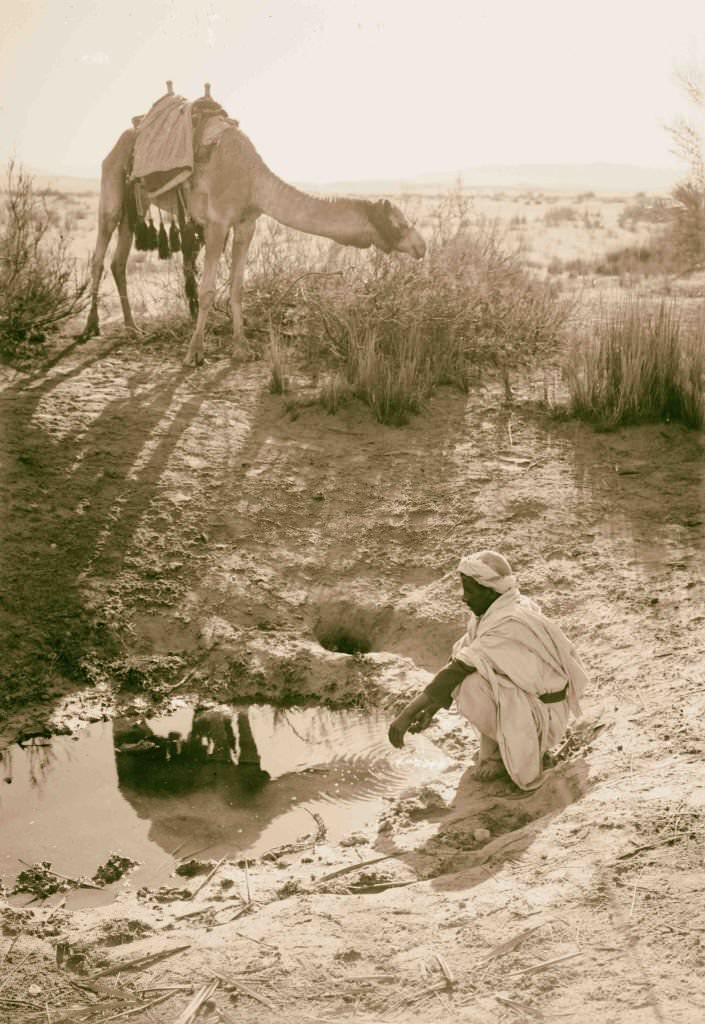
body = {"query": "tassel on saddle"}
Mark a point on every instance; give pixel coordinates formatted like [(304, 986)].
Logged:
[(152, 239), (147, 238), (174, 238)]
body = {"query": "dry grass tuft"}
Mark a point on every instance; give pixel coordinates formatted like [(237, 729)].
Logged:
[(642, 364), (386, 329), (278, 359)]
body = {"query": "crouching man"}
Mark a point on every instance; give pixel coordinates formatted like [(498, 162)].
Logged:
[(513, 674)]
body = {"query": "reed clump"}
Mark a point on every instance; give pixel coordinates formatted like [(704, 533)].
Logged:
[(640, 363)]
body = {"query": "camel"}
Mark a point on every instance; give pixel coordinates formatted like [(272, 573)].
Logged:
[(231, 190)]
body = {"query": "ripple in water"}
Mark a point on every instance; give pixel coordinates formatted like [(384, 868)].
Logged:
[(218, 782)]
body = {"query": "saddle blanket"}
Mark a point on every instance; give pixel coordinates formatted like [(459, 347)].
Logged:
[(163, 155)]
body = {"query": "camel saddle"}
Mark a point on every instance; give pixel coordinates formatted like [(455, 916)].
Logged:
[(172, 137)]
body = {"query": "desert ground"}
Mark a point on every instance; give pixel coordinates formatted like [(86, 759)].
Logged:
[(178, 539)]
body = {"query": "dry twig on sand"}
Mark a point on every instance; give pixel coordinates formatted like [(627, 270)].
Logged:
[(139, 962), (423, 993), (447, 986), (511, 944), (374, 887), (246, 991), (11, 973), (545, 965), (140, 1008), (238, 913), (652, 846), (204, 993), (11, 946), (445, 970), (528, 1011), (353, 867), (207, 879)]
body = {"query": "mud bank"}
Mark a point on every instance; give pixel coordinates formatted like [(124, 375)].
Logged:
[(175, 536)]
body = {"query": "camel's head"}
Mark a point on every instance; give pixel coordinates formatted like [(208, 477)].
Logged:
[(394, 232)]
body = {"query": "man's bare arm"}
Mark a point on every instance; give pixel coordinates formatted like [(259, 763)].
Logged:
[(420, 711)]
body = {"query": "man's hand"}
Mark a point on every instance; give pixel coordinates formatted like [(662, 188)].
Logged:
[(398, 728), (415, 717)]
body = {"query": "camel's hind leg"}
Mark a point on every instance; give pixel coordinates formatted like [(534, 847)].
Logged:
[(107, 222), (215, 239), (119, 269), (242, 236)]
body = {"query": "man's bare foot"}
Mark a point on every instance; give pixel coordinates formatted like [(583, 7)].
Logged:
[(491, 768)]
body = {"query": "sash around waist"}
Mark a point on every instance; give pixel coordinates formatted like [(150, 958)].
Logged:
[(553, 698)]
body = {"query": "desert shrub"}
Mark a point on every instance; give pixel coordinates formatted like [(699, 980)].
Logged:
[(277, 357), (644, 210), (629, 263), (558, 215), (576, 267), (641, 364), (40, 286), (651, 257), (592, 222), (688, 139), (687, 232)]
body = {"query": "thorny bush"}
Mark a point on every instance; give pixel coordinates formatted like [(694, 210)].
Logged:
[(40, 285)]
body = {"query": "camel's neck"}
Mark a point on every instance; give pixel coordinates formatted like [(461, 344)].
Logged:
[(344, 220)]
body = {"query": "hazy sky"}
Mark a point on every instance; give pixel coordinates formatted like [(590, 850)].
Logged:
[(349, 89)]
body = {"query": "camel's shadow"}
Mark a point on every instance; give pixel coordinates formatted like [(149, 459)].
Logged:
[(73, 499)]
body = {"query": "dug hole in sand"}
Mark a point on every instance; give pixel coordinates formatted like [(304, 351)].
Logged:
[(202, 561)]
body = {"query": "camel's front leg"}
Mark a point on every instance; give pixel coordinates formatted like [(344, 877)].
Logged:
[(107, 222), (119, 269), (215, 239), (242, 236)]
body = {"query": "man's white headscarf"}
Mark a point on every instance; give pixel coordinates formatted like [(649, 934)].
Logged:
[(489, 569)]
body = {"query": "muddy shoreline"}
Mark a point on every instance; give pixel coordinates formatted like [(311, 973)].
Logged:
[(181, 536)]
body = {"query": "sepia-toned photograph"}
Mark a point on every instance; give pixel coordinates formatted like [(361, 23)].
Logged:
[(352, 512)]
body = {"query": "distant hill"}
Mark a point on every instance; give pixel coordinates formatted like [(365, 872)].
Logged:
[(599, 177), (58, 182), (65, 182)]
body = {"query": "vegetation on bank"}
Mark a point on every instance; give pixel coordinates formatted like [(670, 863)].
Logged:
[(388, 330), (639, 363), (40, 284)]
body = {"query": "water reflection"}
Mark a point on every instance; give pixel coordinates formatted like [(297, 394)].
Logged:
[(220, 782), (39, 758), (204, 784)]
